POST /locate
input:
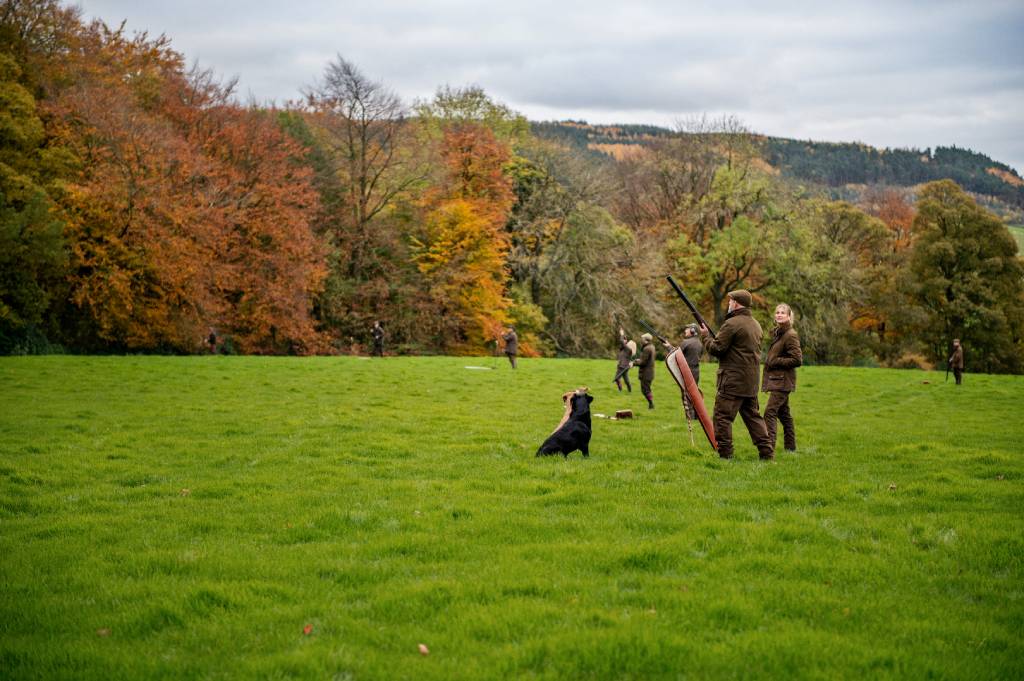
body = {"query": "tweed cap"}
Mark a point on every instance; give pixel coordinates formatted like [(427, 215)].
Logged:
[(741, 296)]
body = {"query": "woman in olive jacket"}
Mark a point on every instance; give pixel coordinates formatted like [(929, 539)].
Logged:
[(779, 377)]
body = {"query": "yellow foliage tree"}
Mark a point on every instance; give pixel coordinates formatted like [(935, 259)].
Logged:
[(462, 257)]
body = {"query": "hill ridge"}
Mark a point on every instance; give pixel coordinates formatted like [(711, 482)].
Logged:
[(831, 164)]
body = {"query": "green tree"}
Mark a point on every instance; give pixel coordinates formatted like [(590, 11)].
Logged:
[(471, 104), (827, 262), (368, 169), (727, 239), (968, 280), (32, 253), (583, 281)]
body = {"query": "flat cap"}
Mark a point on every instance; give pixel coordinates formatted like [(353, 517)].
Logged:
[(741, 296)]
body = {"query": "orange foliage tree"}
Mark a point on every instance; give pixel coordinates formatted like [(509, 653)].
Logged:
[(462, 249), (187, 212)]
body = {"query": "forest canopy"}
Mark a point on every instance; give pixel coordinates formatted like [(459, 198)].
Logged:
[(143, 208)]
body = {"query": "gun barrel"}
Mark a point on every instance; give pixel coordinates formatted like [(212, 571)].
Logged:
[(693, 308), (652, 331)]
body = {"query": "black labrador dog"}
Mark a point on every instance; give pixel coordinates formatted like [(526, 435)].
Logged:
[(574, 431)]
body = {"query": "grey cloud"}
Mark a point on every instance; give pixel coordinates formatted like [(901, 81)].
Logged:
[(908, 73)]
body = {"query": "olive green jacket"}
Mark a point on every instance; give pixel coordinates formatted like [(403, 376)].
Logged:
[(784, 356), (738, 349), (646, 362)]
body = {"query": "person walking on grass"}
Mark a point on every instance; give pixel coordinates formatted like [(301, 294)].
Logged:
[(627, 349), (779, 377), (738, 349), (378, 339), (511, 345), (646, 365), (956, 360)]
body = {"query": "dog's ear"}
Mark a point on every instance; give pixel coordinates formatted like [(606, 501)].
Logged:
[(590, 398)]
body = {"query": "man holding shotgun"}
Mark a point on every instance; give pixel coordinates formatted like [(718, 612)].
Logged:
[(627, 349), (738, 349)]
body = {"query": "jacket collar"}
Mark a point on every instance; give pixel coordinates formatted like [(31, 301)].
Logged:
[(780, 330), (739, 312)]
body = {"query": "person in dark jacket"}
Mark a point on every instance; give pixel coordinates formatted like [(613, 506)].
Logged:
[(692, 349), (378, 339), (956, 360), (738, 349), (779, 377), (627, 349), (511, 345), (646, 365)]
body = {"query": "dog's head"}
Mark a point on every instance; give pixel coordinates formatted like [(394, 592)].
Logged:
[(579, 400), (568, 395)]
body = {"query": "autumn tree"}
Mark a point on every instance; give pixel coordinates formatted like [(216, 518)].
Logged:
[(461, 250), (727, 244), (187, 210), (701, 200), (32, 253), (886, 315), (455, 106), (967, 279), (826, 263), (368, 159), (584, 284)]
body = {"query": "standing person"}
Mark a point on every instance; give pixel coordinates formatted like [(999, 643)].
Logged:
[(378, 339), (738, 349), (692, 349), (627, 349), (511, 345), (211, 341), (956, 360), (779, 378), (646, 365)]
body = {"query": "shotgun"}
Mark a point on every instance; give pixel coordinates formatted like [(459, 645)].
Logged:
[(693, 308), (653, 332)]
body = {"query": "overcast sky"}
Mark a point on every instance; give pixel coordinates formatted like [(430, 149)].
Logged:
[(890, 74)]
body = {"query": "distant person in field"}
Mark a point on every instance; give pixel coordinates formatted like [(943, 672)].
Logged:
[(511, 345), (738, 349), (378, 339), (779, 378), (627, 349), (211, 341), (956, 360), (645, 362)]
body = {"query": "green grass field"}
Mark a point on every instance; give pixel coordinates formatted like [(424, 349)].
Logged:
[(195, 517)]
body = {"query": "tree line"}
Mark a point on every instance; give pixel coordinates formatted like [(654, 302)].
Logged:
[(142, 206)]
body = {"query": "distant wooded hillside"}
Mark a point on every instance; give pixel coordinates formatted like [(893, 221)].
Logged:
[(826, 163)]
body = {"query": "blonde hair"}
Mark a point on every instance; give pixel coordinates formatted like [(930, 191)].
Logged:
[(788, 310)]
